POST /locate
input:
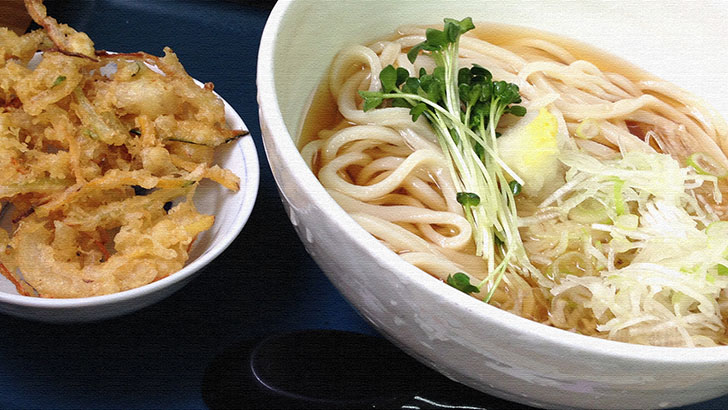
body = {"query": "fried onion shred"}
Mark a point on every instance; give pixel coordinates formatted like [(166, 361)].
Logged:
[(100, 157)]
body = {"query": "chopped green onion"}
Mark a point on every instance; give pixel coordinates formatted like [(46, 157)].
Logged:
[(722, 270), (59, 80), (90, 133), (619, 204), (704, 164)]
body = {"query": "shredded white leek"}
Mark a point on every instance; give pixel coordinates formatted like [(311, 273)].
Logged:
[(664, 266)]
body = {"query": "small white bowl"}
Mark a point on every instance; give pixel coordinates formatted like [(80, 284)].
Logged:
[(231, 210), (465, 339)]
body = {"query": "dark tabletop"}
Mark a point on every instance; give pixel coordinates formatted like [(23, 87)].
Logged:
[(264, 283)]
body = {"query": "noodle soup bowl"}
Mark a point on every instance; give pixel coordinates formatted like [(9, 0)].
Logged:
[(463, 338)]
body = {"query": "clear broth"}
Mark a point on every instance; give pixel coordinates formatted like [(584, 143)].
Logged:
[(322, 113)]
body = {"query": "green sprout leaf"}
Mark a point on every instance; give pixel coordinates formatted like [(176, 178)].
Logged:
[(468, 199), (414, 52), (464, 106), (411, 85), (481, 73), (461, 282), (516, 110), (372, 99), (464, 25), (417, 110), (402, 76), (388, 78), (436, 39), (452, 31), (515, 187)]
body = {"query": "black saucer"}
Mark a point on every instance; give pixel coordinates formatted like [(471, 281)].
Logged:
[(329, 369)]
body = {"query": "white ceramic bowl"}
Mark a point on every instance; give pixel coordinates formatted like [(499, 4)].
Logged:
[(231, 210), (465, 339)]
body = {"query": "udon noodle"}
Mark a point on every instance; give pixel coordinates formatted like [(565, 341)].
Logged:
[(390, 175)]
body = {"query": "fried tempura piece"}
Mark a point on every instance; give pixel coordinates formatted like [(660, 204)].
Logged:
[(100, 155)]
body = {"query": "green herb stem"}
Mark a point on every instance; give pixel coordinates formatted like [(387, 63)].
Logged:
[(464, 106)]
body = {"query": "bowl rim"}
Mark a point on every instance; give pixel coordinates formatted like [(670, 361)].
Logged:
[(272, 118), (249, 188)]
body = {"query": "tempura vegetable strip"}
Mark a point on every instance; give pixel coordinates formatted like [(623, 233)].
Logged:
[(104, 126), (39, 186), (64, 37), (106, 215)]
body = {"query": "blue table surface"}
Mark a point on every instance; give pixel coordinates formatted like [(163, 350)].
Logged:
[(156, 357)]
